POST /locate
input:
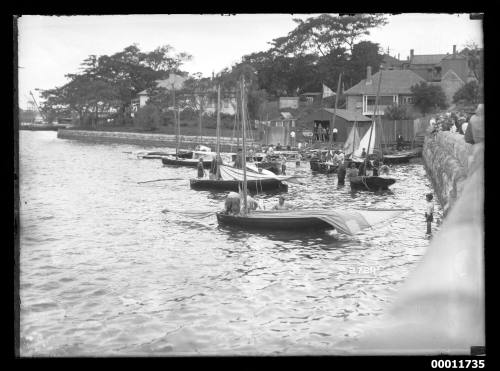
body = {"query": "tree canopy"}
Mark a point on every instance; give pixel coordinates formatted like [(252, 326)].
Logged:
[(428, 97)]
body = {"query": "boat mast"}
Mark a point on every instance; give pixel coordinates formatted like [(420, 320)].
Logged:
[(177, 124), (335, 112), (374, 122), (244, 159), (217, 156)]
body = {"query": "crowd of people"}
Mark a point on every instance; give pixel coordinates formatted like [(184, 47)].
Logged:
[(322, 134), (455, 122)]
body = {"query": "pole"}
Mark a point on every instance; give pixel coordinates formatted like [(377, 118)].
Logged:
[(218, 131), (176, 122), (244, 160), (38, 108), (374, 116), (335, 110)]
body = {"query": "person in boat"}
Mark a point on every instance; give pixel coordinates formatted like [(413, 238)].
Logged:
[(201, 170), (353, 171), (270, 151), (363, 153), (278, 147), (341, 156), (238, 162), (429, 212), (341, 173), (383, 170), (232, 204), (399, 141), (336, 158), (376, 165), (281, 204), (252, 204)]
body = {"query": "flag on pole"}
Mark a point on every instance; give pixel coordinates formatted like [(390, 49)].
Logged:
[(327, 92)]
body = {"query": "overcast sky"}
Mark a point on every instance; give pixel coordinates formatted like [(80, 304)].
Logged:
[(51, 46)]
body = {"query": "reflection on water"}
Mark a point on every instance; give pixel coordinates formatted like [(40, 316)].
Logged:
[(105, 272)]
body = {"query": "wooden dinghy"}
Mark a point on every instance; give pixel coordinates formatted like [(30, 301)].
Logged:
[(172, 161), (371, 183), (323, 167), (347, 222), (400, 157)]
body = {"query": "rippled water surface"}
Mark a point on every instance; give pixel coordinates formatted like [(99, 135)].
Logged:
[(105, 272)]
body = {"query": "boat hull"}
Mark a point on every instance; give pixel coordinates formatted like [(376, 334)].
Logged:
[(232, 185), (322, 167), (184, 162), (261, 222), (371, 183)]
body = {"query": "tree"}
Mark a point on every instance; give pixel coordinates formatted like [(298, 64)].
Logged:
[(109, 82), (396, 112), (428, 97), (364, 54), (324, 33), (148, 117), (468, 94)]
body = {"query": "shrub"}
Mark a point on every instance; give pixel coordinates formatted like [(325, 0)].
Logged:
[(468, 94), (428, 98), (396, 112), (148, 117)]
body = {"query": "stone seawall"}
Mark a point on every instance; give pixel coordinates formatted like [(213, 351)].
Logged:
[(448, 160), (149, 140)]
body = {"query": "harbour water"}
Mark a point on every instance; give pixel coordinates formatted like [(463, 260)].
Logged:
[(105, 270)]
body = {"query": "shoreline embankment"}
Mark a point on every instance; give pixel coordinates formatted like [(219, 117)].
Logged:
[(150, 140)]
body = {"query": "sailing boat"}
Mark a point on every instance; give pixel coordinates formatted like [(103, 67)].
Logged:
[(327, 167), (347, 222), (187, 158), (229, 178), (370, 183)]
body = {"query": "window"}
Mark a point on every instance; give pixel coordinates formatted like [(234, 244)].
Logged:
[(407, 100), (279, 123)]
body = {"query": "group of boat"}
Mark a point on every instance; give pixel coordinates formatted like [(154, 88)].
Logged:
[(246, 175)]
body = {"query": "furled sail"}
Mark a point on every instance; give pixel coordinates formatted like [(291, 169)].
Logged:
[(232, 173)]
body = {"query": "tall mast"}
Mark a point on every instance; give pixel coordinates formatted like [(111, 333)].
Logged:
[(176, 123), (218, 121), (244, 160), (217, 156), (335, 112), (374, 116), (38, 108)]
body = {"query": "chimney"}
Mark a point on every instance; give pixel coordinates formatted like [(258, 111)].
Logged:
[(454, 50), (368, 75), (398, 56), (213, 75), (411, 54)]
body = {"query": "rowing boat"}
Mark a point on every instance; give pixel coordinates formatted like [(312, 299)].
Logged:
[(371, 183)]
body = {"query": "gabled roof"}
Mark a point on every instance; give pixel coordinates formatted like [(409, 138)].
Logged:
[(451, 75), (348, 115), (393, 82), (456, 56), (311, 94), (427, 59)]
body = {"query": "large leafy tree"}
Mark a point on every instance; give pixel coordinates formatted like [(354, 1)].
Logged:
[(112, 81), (364, 54), (428, 98), (322, 34), (468, 94)]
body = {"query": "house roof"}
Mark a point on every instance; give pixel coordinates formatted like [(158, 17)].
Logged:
[(348, 115), (427, 59), (284, 116), (388, 59), (393, 82), (311, 93), (451, 75), (456, 56)]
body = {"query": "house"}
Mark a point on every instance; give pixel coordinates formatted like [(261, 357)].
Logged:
[(427, 66), (391, 63), (395, 88), (344, 121), (285, 119), (311, 98), (288, 102), (177, 82)]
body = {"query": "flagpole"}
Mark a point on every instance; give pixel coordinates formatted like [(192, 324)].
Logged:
[(335, 110)]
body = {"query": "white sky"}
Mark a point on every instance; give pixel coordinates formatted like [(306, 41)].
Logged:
[(52, 46)]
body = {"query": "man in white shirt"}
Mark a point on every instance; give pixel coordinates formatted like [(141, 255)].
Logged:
[(334, 133)]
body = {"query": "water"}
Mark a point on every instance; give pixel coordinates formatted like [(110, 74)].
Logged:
[(105, 272)]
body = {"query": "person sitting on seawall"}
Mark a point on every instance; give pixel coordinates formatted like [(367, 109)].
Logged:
[(201, 170), (429, 212), (281, 204), (353, 171), (363, 153), (232, 204)]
